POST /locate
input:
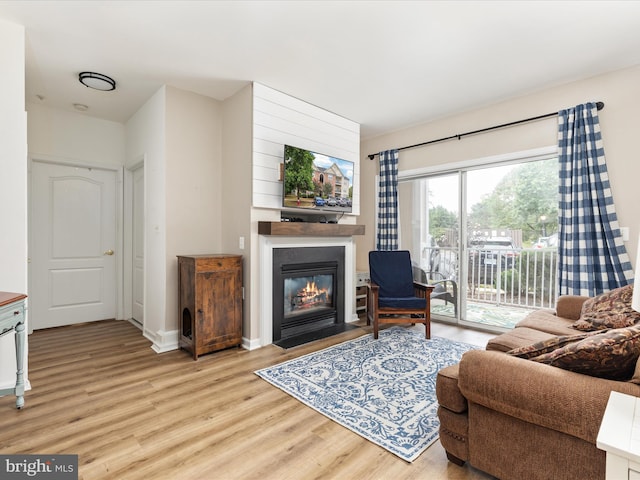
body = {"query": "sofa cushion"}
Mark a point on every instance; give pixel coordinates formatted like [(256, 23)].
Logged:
[(548, 345), (547, 321), (608, 310), (518, 337), (612, 354), (570, 306)]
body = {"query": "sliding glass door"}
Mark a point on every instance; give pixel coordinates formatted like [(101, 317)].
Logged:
[(486, 238), (430, 230)]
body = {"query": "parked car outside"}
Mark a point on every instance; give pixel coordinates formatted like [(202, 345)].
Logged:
[(498, 249), (342, 202), (319, 201), (490, 256), (331, 202)]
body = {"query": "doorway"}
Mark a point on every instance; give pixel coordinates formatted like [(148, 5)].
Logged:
[(137, 245), (73, 244)]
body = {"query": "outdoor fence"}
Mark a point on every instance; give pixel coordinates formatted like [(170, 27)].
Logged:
[(519, 277), (524, 278)]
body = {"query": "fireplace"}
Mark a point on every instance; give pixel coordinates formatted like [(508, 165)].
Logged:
[(308, 293), (273, 241)]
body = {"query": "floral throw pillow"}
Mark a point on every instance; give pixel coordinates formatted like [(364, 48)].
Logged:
[(549, 345), (612, 354), (608, 310)]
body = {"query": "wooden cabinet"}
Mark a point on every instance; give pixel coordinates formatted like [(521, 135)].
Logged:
[(210, 302)]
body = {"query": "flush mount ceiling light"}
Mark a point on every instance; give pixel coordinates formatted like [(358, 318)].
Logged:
[(97, 81)]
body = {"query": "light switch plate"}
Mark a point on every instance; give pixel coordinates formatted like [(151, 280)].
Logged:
[(625, 233)]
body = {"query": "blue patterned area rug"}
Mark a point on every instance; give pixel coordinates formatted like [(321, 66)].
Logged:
[(383, 390)]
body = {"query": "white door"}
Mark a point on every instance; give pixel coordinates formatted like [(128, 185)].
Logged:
[(138, 246), (73, 238)]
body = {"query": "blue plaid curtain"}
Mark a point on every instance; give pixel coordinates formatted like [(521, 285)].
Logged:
[(388, 201), (591, 256)]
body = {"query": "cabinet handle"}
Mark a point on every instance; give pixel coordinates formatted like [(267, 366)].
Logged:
[(17, 312)]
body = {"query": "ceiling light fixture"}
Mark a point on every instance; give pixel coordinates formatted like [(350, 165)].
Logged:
[(97, 81)]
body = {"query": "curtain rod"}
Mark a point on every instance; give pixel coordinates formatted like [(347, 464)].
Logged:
[(599, 105)]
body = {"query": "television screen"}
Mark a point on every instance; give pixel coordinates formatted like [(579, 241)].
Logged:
[(316, 181)]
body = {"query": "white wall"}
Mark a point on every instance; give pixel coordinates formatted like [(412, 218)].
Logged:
[(236, 172), (145, 137), (13, 180), (178, 134), (61, 135), (618, 121), (280, 119), (194, 199)]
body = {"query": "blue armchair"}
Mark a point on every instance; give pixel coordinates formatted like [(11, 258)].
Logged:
[(392, 294)]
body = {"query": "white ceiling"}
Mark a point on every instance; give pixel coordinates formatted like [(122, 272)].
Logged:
[(384, 64)]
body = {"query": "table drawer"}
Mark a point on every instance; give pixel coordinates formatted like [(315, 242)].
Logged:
[(10, 315)]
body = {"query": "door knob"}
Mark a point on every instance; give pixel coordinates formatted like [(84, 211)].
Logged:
[(109, 252)]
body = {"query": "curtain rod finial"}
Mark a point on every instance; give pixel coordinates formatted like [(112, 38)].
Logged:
[(372, 156), (599, 105)]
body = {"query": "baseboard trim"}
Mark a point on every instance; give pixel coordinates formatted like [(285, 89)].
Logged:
[(135, 323), (248, 344), (9, 386), (162, 340)]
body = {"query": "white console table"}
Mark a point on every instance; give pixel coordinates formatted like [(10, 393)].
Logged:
[(619, 436), (12, 318)]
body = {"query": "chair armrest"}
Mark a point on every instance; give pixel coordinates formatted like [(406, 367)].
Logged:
[(422, 290), (454, 285), (455, 288), (540, 394), (570, 306), (373, 291)]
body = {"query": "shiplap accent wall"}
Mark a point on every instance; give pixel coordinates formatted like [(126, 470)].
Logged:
[(278, 120)]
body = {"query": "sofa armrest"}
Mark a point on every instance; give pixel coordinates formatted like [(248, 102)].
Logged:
[(540, 394), (570, 306)]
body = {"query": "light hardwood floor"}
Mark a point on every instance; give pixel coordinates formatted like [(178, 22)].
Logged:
[(99, 391)]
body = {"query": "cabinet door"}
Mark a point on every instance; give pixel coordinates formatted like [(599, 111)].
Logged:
[(219, 314)]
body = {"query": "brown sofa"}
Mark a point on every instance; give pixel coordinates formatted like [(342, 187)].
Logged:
[(515, 418)]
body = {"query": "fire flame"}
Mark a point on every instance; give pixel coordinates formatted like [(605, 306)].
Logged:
[(311, 295), (311, 289)]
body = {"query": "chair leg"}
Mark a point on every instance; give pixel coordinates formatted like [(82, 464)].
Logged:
[(375, 328)]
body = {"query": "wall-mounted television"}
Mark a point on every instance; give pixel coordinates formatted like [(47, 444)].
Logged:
[(315, 181)]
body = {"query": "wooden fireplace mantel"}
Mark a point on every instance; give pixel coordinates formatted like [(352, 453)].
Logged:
[(304, 229)]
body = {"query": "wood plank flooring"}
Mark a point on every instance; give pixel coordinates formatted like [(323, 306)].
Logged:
[(99, 391)]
